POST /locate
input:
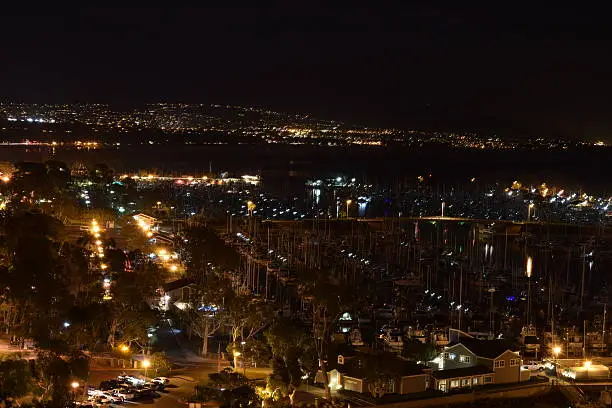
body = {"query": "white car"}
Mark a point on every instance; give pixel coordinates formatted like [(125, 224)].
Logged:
[(534, 366), (102, 397), (124, 393), (160, 380), (131, 379)]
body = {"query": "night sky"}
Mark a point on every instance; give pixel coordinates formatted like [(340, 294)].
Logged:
[(517, 70)]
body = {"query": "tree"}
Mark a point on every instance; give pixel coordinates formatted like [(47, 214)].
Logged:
[(328, 299), (241, 397), (101, 174), (417, 351), (15, 378), (34, 285), (32, 180), (227, 379), (129, 312), (53, 377), (206, 314), (294, 355), (160, 363), (255, 351), (58, 174), (79, 365), (246, 316)]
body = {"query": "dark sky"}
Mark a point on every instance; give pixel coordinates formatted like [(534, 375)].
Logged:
[(518, 70)]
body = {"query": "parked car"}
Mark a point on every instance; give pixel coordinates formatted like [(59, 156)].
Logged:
[(147, 393), (154, 386), (126, 394), (130, 379), (534, 366), (110, 384), (161, 380), (102, 397)]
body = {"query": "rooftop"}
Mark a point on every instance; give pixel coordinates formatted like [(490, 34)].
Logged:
[(364, 365), (485, 348), (177, 284)]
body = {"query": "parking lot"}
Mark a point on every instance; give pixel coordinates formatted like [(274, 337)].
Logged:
[(173, 394)]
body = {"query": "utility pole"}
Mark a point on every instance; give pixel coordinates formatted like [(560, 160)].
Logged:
[(584, 333), (460, 294), (603, 331), (582, 280)]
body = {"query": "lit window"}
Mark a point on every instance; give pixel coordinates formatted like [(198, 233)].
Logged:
[(465, 359), (499, 363)]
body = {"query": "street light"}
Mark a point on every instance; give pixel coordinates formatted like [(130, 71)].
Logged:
[(124, 347), (528, 270), (556, 351), (529, 267), (74, 386), (348, 202), (146, 364), (529, 207), (587, 365)]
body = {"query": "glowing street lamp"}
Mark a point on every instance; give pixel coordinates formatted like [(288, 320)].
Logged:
[(74, 385), (556, 351), (146, 364), (529, 267), (529, 207), (528, 270), (348, 202), (124, 348), (587, 365)]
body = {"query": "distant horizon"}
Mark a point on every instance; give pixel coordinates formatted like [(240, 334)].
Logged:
[(482, 130)]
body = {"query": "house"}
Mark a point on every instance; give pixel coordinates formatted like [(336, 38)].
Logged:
[(146, 221), (361, 371), (468, 362), (465, 377), (178, 293)]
